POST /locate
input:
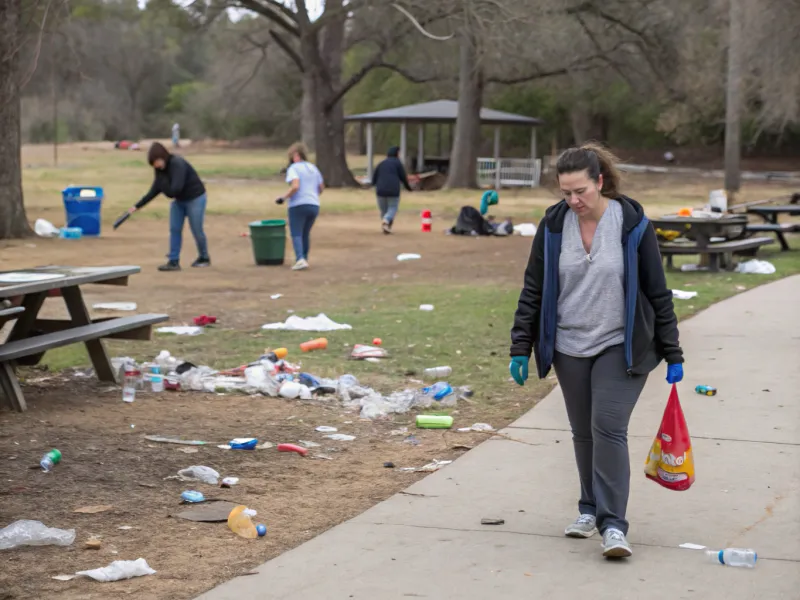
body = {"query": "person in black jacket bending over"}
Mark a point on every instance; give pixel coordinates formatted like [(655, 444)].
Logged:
[(177, 179), (595, 305), (387, 178)]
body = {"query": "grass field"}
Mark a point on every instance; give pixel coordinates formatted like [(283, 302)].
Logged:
[(355, 278)]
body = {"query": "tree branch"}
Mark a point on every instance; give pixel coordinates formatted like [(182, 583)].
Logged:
[(538, 74), (287, 48), (274, 11)]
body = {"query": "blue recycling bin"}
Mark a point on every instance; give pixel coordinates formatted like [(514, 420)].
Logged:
[(82, 205)]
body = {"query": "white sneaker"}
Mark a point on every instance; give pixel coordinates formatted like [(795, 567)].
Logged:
[(584, 526), (615, 545), (300, 265)]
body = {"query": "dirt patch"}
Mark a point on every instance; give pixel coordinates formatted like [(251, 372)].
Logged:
[(106, 461)]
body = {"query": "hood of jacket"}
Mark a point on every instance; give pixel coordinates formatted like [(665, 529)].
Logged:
[(632, 214)]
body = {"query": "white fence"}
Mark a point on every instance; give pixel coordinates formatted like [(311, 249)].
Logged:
[(513, 172)]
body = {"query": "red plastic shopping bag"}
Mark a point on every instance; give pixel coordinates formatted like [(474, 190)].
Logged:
[(670, 462)]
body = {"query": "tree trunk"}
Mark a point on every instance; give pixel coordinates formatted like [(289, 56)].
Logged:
[(733, 101), (463, 172), (322, 58), (13, 221), (308, 111)]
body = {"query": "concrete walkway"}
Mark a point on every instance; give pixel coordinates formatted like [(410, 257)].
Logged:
[(747, 452)]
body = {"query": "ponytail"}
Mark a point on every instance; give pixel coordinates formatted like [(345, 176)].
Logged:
[(596, 160)]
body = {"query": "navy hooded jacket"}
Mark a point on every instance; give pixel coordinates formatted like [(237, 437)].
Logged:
[(390, 175), (651, 327)]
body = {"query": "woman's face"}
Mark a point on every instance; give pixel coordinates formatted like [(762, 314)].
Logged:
[(159, 164), (581, 192)]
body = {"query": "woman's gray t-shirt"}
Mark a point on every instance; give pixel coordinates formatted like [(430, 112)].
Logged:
[(591, 296)]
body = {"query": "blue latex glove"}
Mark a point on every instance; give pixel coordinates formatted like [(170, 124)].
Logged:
[(519, 369), (674, 373)]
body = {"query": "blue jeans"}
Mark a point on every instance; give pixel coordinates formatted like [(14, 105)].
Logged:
[(388, 207), (301, 220), (195, 210)]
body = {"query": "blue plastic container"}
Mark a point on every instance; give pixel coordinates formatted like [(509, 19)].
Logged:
[(82, 205)]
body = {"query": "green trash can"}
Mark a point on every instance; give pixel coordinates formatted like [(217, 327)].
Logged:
[(269, 241)]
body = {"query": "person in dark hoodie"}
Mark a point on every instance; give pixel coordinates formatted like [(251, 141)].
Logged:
[(387, 179), (595, 305), (177, 179)]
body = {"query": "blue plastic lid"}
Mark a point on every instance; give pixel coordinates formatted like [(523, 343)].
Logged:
[(243, 443), (192, 496)]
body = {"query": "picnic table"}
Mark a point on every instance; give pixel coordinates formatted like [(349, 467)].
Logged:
[(714, 239), (30, 336), (771, 214)]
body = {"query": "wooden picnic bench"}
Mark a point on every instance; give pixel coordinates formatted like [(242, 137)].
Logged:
[(719, 254), (31, 337), (770, 214)]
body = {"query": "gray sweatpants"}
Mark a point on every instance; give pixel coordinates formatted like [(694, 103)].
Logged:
[(600, 397)]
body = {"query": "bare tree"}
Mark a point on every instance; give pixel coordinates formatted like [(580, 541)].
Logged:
[(13, 221), (733, 104)]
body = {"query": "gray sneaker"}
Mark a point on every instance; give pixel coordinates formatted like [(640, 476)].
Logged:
[(615, 545), (584, 526)]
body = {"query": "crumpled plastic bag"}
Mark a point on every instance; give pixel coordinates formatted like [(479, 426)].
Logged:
[(670, 462), (756, 267), (199, 473), (44, 228), (120, 569), (34, 533)]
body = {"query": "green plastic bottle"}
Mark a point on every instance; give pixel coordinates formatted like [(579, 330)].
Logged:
[(434, 421), (50, 460)]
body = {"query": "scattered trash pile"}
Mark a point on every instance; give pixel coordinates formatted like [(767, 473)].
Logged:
[(271, 375)]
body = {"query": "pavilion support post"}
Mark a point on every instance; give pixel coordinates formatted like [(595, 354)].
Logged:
[(370, 153), (403, 142), (439, 140), (497, 158), (533, 155), (421, 148)]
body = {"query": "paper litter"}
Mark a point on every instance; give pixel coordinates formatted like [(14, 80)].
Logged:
[(426, 307), (525, 229), (683, 295), (690, 546), (319, 323), (181, 330), (340, 437), (429, 468), (119, 569), (126, 306), (408, 256)]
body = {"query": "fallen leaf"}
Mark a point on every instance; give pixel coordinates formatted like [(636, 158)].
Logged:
[(93, 544), (188, 450), (90, 510)]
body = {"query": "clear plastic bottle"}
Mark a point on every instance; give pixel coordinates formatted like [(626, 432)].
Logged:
[(50, 460), (733, 557), (156, 379), (129, 383), (437, 372)]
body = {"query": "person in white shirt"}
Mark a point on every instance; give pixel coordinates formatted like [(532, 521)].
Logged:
[(305, 186)]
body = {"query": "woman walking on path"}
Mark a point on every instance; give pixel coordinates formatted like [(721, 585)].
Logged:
[(177, 179), (387, 179), (595, 305), (305, 186)]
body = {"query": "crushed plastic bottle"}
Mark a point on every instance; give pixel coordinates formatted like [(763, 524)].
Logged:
[(733, 557), (50, 460), (34, 533)]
